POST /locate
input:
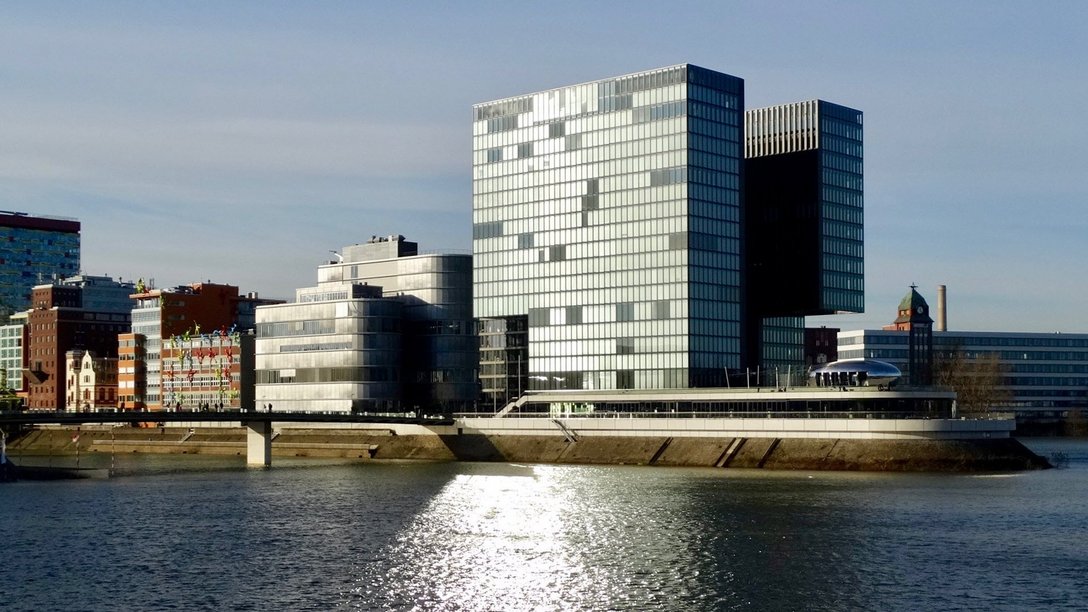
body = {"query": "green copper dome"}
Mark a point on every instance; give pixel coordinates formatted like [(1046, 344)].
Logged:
[(913, 308)]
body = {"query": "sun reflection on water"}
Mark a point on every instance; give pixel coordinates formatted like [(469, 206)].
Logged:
[(538, 537)]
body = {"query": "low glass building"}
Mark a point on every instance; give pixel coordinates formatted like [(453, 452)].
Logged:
[(337, 348), (398, 322), (1045, 375)]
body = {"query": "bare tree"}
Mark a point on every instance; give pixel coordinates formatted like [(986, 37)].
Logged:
[(977, 379), (1075, 424)]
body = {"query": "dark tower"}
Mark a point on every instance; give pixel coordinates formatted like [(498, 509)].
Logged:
[(914, 318), (803, 224)]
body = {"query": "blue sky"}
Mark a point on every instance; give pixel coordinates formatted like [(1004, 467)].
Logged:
[(240, 142)]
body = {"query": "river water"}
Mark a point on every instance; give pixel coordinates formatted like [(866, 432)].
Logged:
[(190, 532)]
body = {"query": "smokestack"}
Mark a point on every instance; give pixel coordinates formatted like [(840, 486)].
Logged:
[(942, 313)]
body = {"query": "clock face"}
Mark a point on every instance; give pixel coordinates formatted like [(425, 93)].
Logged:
[(919, 310)]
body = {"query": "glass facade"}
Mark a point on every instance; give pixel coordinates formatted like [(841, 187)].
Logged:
[(147, 323), (608, 215), (782, 353), (34, 250), (330, 353), (441, 352), (386, 328), (841, 209), (11, 356), (504, 359)]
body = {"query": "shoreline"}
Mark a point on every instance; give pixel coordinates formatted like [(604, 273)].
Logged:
[(723, 451)]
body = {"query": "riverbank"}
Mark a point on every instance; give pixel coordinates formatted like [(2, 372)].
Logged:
[(378, 444)]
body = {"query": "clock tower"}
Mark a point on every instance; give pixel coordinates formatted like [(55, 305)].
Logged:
[(914, 318)]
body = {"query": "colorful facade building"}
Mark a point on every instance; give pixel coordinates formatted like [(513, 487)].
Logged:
[(204, 371), (173, 331), (131, 370)]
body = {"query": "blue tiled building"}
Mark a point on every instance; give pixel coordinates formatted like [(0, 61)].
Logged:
[(34, 250)]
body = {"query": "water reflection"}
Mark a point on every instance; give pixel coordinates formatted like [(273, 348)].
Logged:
[(562, 537), (486, 536)]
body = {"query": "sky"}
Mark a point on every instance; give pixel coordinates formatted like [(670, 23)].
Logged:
[(240, 142)]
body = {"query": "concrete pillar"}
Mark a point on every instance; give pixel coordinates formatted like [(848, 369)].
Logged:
[(259, 443)]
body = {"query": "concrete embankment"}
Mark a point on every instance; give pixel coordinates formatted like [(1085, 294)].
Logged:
[(287, 442), (768, 453), (1001, 454)]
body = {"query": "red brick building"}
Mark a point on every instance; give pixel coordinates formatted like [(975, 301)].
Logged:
[(57, 323)]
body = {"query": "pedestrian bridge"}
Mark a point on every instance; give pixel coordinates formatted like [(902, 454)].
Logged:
[(258, 424)]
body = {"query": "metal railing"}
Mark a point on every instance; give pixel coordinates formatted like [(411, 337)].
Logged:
[(731, 414)]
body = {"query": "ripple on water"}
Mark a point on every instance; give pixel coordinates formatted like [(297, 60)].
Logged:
[(512, 537)]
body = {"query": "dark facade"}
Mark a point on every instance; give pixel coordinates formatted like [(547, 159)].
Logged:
[(821, 345), (913, 318), (804, 223)]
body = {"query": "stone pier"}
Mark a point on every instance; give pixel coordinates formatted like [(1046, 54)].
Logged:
[(258, 443)]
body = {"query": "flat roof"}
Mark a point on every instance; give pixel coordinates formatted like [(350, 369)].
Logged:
[(26, 221)]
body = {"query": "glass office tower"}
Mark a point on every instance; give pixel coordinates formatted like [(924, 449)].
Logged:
[(607, 234)]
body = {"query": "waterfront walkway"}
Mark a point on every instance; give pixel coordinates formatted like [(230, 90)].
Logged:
[(258, 423), (42, 417)]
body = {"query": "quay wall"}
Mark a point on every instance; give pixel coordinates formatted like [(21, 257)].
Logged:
[(788, 445)]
